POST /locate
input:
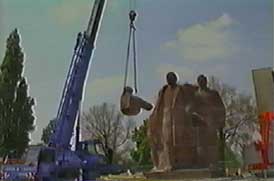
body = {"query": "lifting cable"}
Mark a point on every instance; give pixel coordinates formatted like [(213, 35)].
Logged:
[(132, 30)]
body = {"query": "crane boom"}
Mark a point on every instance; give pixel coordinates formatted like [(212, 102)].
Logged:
[(57, 160), (74, 86)]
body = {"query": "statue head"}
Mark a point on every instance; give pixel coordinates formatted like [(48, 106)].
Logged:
[(128, 89), (172, 79), (202, 81)]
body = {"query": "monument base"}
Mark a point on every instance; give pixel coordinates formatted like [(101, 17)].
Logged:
[(180, 174)]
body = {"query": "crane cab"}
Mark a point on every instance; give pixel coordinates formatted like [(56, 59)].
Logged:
[(91, 147), (92, 154)]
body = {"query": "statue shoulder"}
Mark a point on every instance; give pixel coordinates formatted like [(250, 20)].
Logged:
[(189, 88), (214, 93), (162, 90), (216, 97)]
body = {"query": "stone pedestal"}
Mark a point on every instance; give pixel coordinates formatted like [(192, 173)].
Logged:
[(196, 147), (180, 174)]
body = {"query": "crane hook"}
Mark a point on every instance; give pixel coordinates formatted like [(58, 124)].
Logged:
[(132, 16)]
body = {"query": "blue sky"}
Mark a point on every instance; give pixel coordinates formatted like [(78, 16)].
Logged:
[(224, 38)]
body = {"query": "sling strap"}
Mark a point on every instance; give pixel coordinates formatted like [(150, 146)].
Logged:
[(132, 30)]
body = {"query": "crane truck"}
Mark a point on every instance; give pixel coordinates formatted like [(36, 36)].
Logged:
[(58, 160)]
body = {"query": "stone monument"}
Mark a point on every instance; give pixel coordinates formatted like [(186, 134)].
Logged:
[(184, 126)]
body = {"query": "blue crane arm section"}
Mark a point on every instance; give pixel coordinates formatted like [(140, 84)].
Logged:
[(75, 82)]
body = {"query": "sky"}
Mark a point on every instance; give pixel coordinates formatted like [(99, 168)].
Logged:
[(222, 38)]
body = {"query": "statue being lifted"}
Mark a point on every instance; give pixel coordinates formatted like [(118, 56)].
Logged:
[(131, 104)]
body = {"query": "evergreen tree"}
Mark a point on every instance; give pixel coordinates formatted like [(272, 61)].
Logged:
[(48, 131), (141, 154), (16, 114)]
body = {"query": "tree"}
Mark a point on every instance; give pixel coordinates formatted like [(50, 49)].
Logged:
[(141, 153), (241, 115), (16, 114), (48, 131), (105, 123)]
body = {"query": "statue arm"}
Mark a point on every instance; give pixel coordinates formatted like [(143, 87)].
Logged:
[(154, 123), (218, 105)]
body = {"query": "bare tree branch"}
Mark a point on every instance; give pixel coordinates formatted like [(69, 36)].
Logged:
[(105, 122), (241, 114)]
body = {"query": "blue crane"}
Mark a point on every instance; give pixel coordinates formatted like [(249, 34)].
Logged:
[(73, 90), (58, 160)]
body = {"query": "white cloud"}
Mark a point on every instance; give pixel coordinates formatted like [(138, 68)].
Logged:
[(185, 74), (207, 41)]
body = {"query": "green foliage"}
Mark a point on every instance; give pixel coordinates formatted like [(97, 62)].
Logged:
[(141, 154), (16, 114), (231, 159), (47, 132)]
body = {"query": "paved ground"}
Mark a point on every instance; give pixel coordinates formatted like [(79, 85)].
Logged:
[(204, 179), (142, 178)]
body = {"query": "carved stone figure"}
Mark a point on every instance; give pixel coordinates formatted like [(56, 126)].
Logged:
[(209, 105), (131, 105), (183, 125), (166, 123), (209, 108)]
